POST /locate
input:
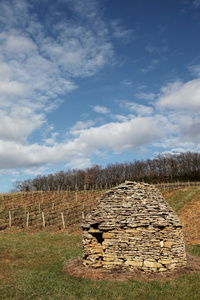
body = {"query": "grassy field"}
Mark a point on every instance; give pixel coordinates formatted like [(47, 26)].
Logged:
[(32, 267)]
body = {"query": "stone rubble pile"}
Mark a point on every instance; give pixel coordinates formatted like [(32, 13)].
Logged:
[(133, 228)]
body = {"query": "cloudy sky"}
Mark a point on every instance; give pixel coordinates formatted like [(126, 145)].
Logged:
[(86, 82)]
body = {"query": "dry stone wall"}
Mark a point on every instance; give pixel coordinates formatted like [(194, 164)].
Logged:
[(133, 228)]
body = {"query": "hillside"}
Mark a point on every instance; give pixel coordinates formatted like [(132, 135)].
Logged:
[(186, 202), (58, 211)]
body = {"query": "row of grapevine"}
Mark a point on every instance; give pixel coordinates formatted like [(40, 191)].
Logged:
[(45, 209), (169, 187)]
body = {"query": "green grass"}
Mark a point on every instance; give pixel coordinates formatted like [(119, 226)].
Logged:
[(31, 267), (178, 199), (195, 250)]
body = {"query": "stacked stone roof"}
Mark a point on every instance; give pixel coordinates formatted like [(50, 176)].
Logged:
[(132, 204)]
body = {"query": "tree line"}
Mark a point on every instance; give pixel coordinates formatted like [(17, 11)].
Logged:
[(164, 168)]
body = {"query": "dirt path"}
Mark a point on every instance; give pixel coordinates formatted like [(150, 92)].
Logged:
[(190, 216)]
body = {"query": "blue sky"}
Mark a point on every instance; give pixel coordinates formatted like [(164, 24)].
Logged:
[(86, 82)]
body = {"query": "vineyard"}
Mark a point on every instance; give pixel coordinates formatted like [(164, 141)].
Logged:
[(53, 210), (61, 210)]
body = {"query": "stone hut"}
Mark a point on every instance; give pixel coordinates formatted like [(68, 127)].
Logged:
[(133, 228)]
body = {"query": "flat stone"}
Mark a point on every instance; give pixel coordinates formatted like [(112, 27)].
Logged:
[(93, 230), (97, 265), (134, 263), (152, 264), (96, 250), (165, 262), (162, 269), (108, 235), (168, 244)]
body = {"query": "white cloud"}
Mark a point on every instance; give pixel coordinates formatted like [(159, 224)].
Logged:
[(191, 133), (19, 124), (101, 109), (12, 172), (80, 126), (5, 72), (17, 155), (19, 45), (118, 137), (127, 82), (150, 67), (152, 49), (79, 163), (12, 88), (115, 136), (138, 109), (121, 33), (52, 140), (195, 70), (196, 3), (123, 118), (146, 96), (180, 130), (34, 171), (189, 126), (179, 95), (157, 49)]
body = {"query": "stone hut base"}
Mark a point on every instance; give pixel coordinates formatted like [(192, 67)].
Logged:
[(149, 249), (76, 269)]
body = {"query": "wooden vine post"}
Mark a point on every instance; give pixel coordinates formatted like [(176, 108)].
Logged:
[(63, 220), (195, 226), (10, 219), (43, 220), (27, 220), (83, 215)]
